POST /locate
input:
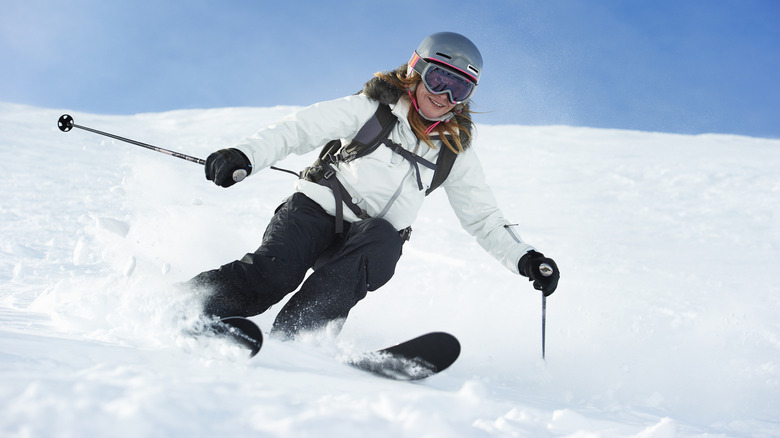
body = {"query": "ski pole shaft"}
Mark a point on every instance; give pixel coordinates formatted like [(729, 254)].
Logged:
[(547, 271), (65, 123), (544, 321)]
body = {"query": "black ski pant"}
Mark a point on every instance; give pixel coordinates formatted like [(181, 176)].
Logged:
[(301, 236)]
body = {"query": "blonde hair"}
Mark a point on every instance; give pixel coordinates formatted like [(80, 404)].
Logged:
[(446, 131)]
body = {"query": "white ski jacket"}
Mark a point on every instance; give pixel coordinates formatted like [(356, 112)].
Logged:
[(383, 183)]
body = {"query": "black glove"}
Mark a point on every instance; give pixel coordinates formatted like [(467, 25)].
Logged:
[(221, 165), (529, 266)]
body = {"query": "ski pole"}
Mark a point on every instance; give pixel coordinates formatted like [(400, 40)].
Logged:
[(547, 271), (65, 123), (544, 321)]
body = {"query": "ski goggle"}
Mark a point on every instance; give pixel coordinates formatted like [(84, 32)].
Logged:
[(439, 79)]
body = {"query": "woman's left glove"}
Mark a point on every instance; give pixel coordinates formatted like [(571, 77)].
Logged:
[(227, 167), (545, 278)]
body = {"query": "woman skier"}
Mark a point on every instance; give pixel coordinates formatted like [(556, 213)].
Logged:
[(354, 250)]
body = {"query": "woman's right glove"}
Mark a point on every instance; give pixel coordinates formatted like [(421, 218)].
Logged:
[(545, 278), (227, 167)]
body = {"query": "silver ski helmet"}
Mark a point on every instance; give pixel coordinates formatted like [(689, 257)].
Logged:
[(450, 49)]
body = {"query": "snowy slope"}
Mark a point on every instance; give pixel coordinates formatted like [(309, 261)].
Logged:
[(665, 322)]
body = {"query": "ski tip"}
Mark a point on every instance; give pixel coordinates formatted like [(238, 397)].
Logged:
[(244, 332), (447, 349), (412, 360), (442, 345)]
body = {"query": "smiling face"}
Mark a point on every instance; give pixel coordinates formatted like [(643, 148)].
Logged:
[(432, 105)]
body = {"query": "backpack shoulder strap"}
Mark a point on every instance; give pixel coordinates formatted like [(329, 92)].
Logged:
[(370, 136), (367, 139), (443, 166)]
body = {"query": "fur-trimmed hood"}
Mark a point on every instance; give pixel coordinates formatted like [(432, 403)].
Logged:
[(387, 93)]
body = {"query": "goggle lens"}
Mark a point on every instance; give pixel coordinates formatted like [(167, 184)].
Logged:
[(438, 80)]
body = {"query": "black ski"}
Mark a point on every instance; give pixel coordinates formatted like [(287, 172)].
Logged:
[(414, 359), (241, 331)]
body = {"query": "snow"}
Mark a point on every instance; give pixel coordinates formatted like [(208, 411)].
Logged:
[(664, 325)]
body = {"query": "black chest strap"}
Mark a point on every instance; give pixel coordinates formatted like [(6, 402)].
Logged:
[(414, 159)]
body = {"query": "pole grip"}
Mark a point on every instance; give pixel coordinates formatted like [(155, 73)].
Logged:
[(239, 175)]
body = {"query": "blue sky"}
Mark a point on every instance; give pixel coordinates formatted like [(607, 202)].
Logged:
[(674, 66)]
